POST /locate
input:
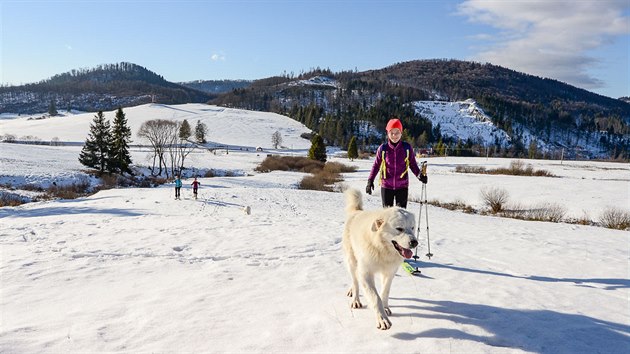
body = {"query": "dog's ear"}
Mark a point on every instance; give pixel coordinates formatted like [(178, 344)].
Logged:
[(377, 224)]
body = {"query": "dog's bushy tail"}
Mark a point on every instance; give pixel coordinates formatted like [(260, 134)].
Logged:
[(354, 201)]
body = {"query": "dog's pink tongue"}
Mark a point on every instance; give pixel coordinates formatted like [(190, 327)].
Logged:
[(407, 253)]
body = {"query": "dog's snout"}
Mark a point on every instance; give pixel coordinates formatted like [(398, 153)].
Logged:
[(413, 243)]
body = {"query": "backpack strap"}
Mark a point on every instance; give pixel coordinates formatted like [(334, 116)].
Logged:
[(406, 161), (383, 167)]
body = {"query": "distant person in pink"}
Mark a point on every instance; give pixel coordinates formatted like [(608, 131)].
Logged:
[(195, 185)]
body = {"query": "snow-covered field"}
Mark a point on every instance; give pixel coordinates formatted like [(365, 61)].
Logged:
[(132, 270)]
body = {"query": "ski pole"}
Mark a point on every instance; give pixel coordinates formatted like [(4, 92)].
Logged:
[(423, 172), (415, 256), (426, 213)]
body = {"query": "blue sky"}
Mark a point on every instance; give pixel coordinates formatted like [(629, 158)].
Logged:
[(585, 43)]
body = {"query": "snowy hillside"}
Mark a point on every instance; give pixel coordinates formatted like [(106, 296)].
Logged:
[(462, 120), (133, 270), (316, 81), (225, 126)]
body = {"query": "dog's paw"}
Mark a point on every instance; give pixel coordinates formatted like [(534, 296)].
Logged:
[(388, 311), (349, 293), (383, 323), (356, 304)]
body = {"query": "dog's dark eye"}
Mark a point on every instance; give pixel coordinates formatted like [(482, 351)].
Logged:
[(400, 229)]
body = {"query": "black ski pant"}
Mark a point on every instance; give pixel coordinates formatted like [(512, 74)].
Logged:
[(177, 189), (388, 196)]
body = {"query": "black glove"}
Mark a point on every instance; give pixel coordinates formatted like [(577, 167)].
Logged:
[(423, 178), (370, 186)]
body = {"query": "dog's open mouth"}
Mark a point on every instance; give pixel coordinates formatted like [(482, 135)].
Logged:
[(405, 252)]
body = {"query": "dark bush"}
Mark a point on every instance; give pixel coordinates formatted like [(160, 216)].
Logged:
[(11, 199), (324, 175), (289, 163), (70, 191)]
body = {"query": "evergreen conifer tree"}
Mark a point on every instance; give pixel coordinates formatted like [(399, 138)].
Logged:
[(318, 149), (423, 139), (200, 132), (406, 137), (52, 109), (184, 130), (532, 151), (95, 152), (440, 149), (121, 137), (353, 152)]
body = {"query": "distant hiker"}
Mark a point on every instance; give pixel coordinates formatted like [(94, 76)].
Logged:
[(178, 186), (393, 159), (195, 186)]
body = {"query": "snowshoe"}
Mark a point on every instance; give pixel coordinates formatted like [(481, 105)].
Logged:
[(410, 267)]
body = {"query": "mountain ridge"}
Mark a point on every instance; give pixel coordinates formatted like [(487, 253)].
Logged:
[(104, 87), (335, 104), (517, 103)]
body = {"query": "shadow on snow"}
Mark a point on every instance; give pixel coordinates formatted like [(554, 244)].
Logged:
[(610, 283), (540, 331)]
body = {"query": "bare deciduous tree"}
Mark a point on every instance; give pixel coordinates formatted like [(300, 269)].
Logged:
[(276, 139), (159, 133), (180, 147)]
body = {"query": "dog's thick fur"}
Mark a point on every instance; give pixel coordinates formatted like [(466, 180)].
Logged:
[(375, 243)]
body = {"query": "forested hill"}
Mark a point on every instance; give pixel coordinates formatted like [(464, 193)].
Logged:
[(332, 103), (529, 109), (459, 80), (105, 87), (217, 86)]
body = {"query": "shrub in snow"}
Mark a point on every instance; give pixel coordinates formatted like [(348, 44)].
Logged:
[(615, 218), (547, 212), (8, 138), (495, 198)]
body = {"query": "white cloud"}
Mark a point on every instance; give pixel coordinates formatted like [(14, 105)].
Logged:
[(218, 56), (552, 39), (68, 47)]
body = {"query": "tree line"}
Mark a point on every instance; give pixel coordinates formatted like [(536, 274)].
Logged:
[(107, 146), (548, 108)]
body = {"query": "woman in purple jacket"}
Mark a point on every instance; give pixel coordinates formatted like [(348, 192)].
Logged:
[(393, 159)]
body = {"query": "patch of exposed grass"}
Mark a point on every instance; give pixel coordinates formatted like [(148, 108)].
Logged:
[(320, 181), (323, 175), (546, 211), (336, 167), (517, 168), (10, 199), (75, 190), (289, 163), (551, 212), (455, 205)]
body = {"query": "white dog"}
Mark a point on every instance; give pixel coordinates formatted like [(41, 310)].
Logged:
[(375, 242)]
